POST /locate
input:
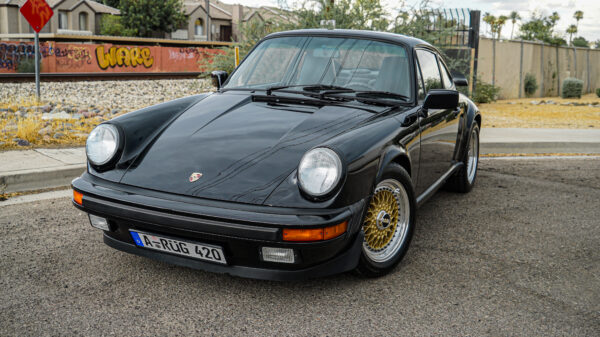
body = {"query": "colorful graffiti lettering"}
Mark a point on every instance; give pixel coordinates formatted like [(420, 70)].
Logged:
[(124, 56), (178, 56), (201, 56), (72, 56), (60, 57), (46, 49), (11, 54)]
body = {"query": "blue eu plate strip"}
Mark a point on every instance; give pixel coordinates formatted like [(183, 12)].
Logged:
[(137, 239)]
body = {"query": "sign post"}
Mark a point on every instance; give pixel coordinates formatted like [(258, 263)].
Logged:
[(37, 65), (37, 13)]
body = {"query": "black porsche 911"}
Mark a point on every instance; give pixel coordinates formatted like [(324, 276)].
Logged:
[(309, 160)]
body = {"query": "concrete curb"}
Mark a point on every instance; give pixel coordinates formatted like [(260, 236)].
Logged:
[(30, 180), (539, 147)]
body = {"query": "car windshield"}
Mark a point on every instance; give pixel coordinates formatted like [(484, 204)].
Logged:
[(358, 64)]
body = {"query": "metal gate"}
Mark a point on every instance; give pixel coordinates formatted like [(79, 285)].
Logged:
[(460, 39)]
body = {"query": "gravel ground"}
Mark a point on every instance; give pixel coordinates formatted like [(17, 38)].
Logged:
[(109, 95), (516, 256), (68, 111)]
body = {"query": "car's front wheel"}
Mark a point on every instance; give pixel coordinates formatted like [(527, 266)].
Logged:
[(388, 224)]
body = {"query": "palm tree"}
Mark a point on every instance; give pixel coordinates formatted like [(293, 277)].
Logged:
[(571, 30), (514, 16), (499, 24), (578, 16), (490, 20), (553, 20)]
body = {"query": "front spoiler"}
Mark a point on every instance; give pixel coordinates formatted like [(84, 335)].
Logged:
[(194, 219), (341, 263)]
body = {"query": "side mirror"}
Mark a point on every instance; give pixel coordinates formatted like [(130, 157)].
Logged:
[(459, 79), (441, 99), (218, 78)]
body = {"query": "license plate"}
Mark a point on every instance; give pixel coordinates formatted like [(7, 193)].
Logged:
[(194, 250)]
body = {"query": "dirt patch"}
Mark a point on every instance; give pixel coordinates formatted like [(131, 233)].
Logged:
[(549, 112)]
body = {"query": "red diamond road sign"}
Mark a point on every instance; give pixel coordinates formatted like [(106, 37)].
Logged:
[(37, 13)]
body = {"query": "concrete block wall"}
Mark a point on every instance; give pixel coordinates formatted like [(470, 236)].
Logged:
[(549, 64)]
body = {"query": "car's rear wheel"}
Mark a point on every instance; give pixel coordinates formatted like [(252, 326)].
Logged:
[(463, 180), (388, 224)]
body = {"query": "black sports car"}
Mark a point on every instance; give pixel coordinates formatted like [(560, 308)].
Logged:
[(310, 159)]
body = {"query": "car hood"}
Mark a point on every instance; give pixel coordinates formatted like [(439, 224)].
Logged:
[(239, 149)]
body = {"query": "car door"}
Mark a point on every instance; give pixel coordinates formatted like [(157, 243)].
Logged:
[(439, 127)]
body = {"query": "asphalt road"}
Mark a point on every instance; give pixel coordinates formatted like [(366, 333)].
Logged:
[(519, 255)]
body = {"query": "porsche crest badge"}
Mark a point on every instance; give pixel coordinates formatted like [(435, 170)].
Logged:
[(195, 176)]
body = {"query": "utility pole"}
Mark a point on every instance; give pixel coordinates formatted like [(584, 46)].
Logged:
[(208, 25)]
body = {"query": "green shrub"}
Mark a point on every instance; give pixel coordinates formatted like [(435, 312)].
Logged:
[(572, 87), (224, 61), (485, 92), (112, 25), (27, 66), (530, 86), (598, 92)]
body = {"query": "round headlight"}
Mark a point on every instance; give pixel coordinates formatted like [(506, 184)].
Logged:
[(102, 144), (319, 171)]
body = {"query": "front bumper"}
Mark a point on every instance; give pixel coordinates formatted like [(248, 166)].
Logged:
[(240, 229)]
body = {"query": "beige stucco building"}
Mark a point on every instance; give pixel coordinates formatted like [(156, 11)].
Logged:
[(83, 17), (225, 19), (70, 17)]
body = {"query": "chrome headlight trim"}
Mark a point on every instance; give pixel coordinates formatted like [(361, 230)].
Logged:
[(319, 172), (102, 144)]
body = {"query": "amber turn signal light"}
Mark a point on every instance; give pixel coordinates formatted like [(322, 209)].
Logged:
[(335, 231), (315, 234), (78, 197)]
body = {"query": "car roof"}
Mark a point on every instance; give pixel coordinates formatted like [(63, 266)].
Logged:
[(369, 34)]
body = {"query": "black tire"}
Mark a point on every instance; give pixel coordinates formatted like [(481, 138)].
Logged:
[(395, 175), (463, 180)]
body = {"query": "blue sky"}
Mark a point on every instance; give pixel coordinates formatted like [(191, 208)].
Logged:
[(589, 27)]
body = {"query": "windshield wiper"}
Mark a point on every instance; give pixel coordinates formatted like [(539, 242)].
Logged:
[(369, 97), (381, 94), (319, 87), (309, 87)]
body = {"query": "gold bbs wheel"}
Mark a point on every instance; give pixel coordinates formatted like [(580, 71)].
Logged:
[(386, 222)]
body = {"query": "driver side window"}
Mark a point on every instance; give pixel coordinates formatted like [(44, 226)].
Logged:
[(421, 90), (429, 70), (448, 84)]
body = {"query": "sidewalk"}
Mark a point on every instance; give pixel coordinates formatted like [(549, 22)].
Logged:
[(40, 168), (47, 168), (517, 140)]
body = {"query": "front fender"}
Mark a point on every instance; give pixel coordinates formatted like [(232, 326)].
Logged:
[(397, 154), (140, 128)]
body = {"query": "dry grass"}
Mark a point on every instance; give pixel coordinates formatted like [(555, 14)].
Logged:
[(520, 113), (15, 104), (27, 129), (74, 132), (6, 196)]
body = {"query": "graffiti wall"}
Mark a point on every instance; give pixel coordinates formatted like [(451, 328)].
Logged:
[(103, 58)]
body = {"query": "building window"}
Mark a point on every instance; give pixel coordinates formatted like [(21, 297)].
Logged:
[(83, 21), (198, 27), (213, 29), (62, 20)]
